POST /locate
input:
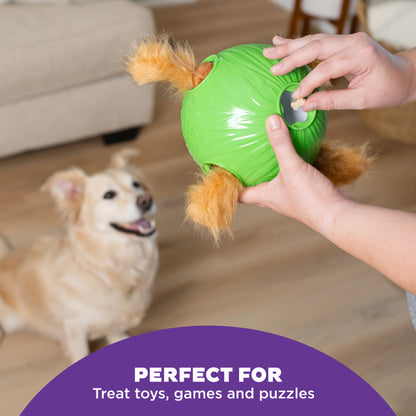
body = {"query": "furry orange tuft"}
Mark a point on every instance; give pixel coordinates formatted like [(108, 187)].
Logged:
[(341, 164), (213, 200), (158, 59)]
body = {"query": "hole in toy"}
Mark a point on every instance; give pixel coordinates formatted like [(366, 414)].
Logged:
[(206, 167), (290, 115), (201, 73)]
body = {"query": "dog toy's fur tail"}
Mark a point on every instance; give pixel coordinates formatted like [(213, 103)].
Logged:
[(159, 59), (341, 164), (213, 200)]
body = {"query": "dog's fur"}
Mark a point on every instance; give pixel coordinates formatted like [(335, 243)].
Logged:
[(95, 280), (213, 200)]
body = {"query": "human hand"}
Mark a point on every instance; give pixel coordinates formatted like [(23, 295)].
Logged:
[(299, 190), (376, 77)]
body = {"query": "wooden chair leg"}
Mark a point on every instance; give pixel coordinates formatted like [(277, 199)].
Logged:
[(354, 24), (343, 17), (296, 16), (305, 25)]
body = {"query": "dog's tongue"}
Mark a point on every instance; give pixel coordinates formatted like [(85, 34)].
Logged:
[(142, 225)]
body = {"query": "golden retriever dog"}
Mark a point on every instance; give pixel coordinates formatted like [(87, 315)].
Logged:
[(95, 280)]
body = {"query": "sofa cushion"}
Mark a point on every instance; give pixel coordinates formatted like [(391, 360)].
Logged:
[(99, 107), (47, 48)]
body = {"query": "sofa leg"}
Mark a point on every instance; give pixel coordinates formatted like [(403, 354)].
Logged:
[(121, 136)]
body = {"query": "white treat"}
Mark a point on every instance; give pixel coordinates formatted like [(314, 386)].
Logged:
[(297, 103)]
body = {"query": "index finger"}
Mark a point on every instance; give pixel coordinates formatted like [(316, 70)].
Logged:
[(302, 51), (285, 47)]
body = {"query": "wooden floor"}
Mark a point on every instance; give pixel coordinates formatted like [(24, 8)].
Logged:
[(276, 276)]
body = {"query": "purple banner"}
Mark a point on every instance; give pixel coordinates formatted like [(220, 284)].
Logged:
[(205, 371)]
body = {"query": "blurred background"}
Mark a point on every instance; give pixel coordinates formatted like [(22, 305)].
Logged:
[(65, 100)]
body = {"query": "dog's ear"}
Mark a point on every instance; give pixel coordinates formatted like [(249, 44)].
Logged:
[(122, 158), (67, 189)]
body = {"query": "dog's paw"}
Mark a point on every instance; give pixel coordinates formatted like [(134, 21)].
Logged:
[(113, 338)]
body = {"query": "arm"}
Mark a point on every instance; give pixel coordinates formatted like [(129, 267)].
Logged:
[(410, 55), (383, 238), (376, 77)]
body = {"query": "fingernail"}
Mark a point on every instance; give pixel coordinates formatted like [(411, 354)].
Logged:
[(276, 68), (273, 122), (311, 106), (267, 50), (297, 93), (277, 39)]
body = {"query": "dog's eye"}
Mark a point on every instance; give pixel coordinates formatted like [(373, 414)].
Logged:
[(110, 195), (136, 184)]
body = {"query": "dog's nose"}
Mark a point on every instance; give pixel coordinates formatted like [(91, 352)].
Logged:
[(144, 202)]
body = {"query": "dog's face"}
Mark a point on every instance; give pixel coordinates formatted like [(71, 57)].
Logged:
[(118, 198), (114, 201)]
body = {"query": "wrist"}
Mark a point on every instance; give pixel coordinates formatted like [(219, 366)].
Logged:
[(410, 57), (327, 222)]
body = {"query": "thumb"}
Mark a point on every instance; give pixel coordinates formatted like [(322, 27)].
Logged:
[(254, 194), (281, 142), (349, 99)]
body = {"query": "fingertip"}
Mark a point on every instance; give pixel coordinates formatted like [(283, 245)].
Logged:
[(274, 122), (243, 197), (254, 195), (321, 100), (280, 141), (267, 52), (304, 88), (310, 105), (348, 99), (246, 196), (277, 40), (297, 93), (276, 69)]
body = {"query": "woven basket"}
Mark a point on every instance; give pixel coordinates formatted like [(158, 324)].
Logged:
[(398, 123)]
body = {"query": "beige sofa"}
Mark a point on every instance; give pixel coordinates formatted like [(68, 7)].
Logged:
[(61, 72)]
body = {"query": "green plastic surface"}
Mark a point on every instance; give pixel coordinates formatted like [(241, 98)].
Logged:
[(224, 118)]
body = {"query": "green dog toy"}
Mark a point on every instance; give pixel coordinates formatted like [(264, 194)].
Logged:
[(227, 100), (224, 117)]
